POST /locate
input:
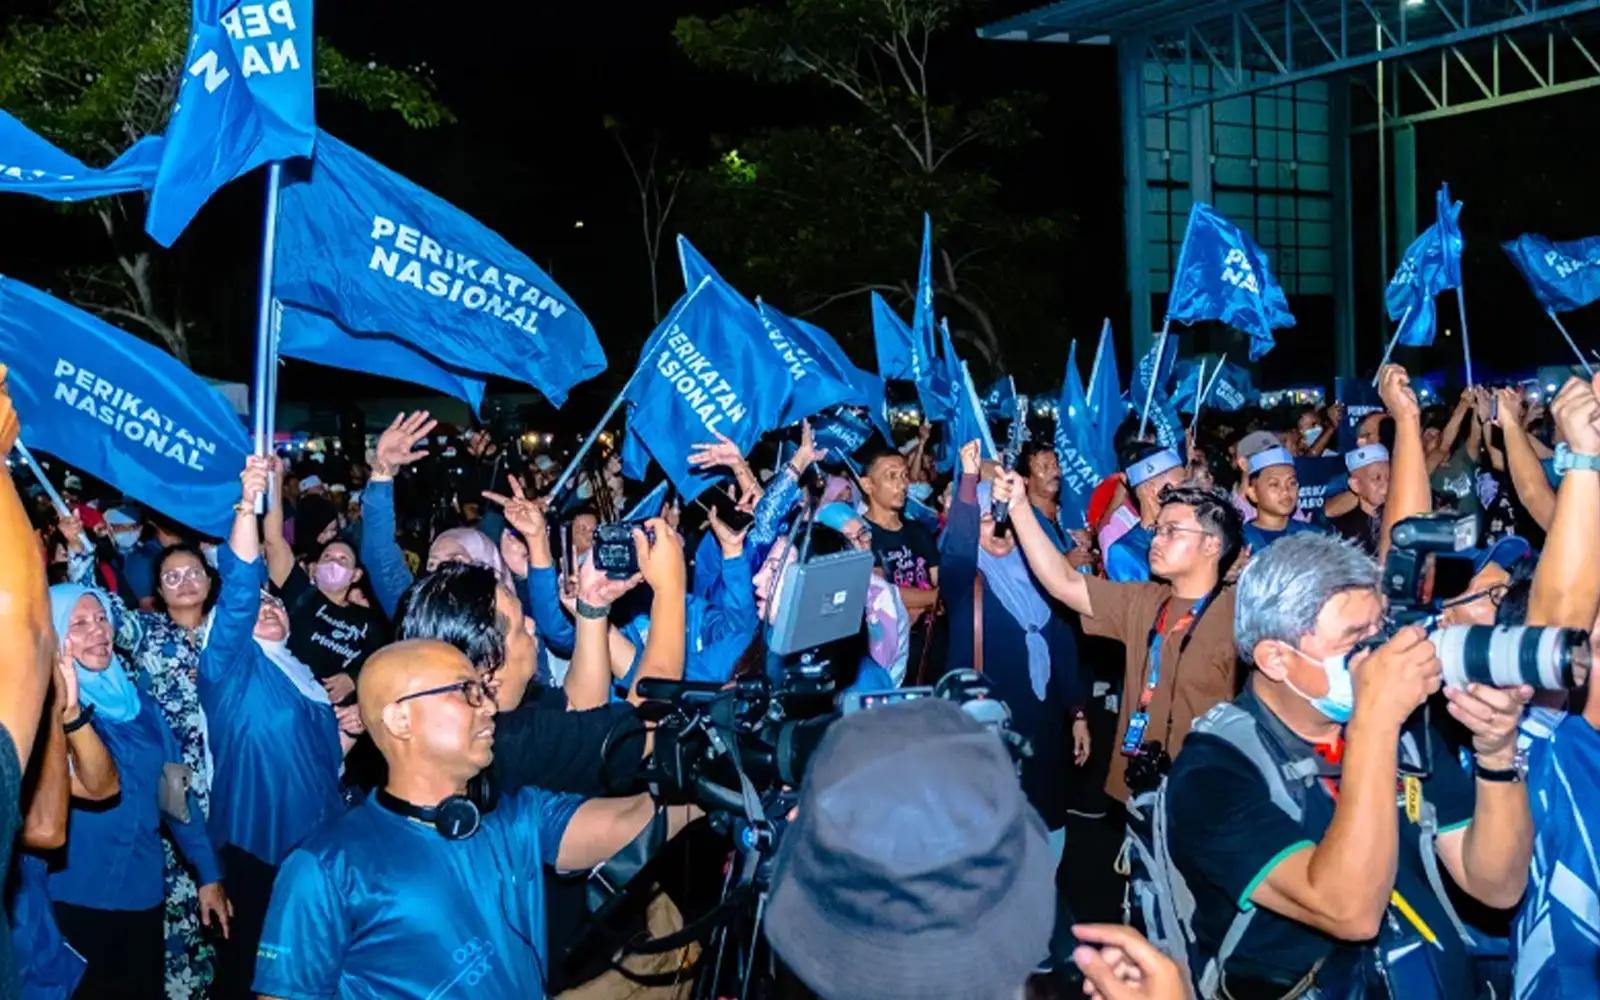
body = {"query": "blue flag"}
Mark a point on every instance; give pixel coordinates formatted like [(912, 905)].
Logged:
[(1431, 264), (311, 336), (380, 255), (698, 378), (968, 423), (120, 409), (897, 357), (1164, 419), (244, 99), (1106, 408), (1223, 274), (823, 374), (31, 165), (1081, 470), (1000, 402), (1231, 389), (1563, 276), (842, 432)]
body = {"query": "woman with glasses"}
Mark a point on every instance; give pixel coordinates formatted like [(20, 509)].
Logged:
[(161, 651), (277, 742), (108, 893)]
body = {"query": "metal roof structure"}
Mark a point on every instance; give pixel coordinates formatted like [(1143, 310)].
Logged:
[(1390, 65)]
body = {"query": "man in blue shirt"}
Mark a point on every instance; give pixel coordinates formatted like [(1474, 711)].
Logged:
[(1275, 491), (415, 892), (1152, 470)]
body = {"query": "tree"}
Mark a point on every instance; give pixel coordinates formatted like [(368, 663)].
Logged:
[(92, 76), (658, 186), (824, 213)]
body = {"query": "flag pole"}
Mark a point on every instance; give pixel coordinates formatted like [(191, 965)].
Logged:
[(588, 442), (1568, 337), (1099, 350), (1387, 351), (1150, 390), (264, 390), (1466, 345), (44, 481), (1206, 394)]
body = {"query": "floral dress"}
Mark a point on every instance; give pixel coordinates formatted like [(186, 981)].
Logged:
[(164, 658)]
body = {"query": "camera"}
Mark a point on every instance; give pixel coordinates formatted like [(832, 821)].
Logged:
[(1147, 767), (614, 553), (1425, 573)]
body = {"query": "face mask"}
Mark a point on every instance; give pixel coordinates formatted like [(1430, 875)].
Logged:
[(333, 576), (1340, 700), (1311, 434), (125, 540), (920, 492)]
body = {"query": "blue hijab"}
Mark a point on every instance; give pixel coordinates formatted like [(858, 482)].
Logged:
[(111, 691)]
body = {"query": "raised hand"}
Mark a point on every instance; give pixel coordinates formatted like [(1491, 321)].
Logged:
[(1394, 388), (971, 458), (660, 558), (732, 541), (721, 453), (1577, 413), (397, 446), (596, 589), (253, 480), (522, 513), (1009, 488)]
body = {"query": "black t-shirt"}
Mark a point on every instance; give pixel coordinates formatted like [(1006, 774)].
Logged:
[(1360, 527), (907, 555), (1226, 836), (541, 743), (325, 636)]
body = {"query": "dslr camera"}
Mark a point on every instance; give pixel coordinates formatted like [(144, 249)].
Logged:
[(1425, 573), (614, 553)]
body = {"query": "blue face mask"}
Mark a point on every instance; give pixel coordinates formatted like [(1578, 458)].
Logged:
[(1311, 434), (1340, 700)]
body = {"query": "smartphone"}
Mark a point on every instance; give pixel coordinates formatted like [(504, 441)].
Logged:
[(727, 509)]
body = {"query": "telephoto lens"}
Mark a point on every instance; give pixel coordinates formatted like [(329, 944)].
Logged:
[(1549, 659)]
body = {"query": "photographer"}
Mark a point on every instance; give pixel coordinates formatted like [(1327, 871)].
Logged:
[(1179, 658), (1282, 811)]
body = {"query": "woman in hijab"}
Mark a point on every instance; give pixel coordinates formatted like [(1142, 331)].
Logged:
[(108, 895), (1002, 626), (380, 553), (277, 742), (161, 651)]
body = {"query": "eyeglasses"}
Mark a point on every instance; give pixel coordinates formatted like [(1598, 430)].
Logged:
[(1168, 532), (475, 691), (862, 538), (173, 577)]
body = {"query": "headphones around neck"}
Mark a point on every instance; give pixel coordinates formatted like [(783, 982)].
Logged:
[(456, 818)]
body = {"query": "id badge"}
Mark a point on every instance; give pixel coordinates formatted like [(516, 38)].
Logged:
[(1135, 736)]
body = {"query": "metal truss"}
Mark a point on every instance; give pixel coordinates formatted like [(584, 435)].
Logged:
[(1267, 44)]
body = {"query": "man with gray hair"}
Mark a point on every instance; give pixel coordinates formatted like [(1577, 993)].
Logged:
[(1308, 819)]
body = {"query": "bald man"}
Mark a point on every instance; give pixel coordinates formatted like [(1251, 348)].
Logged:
[(414, 893)]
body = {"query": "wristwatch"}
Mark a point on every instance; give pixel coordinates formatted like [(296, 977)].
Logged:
[(593, 612), (1515, 774), (84, 715), (1567, 459)]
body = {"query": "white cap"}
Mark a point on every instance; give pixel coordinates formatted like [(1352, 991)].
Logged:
[(1364, 456), (310, 483), (1151, 466), (1268, 458)]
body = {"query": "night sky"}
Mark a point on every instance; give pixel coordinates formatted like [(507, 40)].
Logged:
[(531, 84)]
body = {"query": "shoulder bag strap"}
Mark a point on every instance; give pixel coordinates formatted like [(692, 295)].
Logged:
[(977, 622)]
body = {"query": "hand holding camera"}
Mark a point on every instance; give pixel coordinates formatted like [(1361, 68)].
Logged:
[(1491, 714), (1397, 677)]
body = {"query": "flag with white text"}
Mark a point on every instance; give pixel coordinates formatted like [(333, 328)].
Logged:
[(1223, 274)]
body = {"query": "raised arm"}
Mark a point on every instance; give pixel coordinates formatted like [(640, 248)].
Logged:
[(27, 639), (380, 553), (239, 598), (661, 565), (1527, 475), (1447, 440), (1566, 585), (589, 675), (280, 557), (1049, 566), (527, 516), (1409, 494)]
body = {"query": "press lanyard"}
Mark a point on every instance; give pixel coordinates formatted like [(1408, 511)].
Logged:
[(1187, 623)]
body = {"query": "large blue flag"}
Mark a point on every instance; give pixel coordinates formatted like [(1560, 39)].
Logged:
[(31, 165), (1431, 264), (1223, 274), (312, 336), (842, 432), (1076, 448), (1106, 407), (1231, 389), (1563, 276), (824, 375), (380, 255), (120, 409), (1000, 402), (698, 378), (1164, 419), (967, 423), (244, 99), (897, 356)]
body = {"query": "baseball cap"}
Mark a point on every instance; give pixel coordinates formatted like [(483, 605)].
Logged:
[(122, 517), (915, 866), (1257, 441), (310, 483), (1506, 552)]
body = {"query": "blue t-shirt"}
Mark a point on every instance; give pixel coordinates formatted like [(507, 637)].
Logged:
[(378, 905), (1259, 538), (1129, 558)]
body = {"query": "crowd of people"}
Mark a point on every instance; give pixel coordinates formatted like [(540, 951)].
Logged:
[(371, 742)]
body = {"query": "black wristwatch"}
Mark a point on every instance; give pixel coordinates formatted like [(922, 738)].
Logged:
[(593, 612), (84, 715), (1504, 775)]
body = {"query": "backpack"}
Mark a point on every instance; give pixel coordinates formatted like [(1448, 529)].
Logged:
[(1163, 898)]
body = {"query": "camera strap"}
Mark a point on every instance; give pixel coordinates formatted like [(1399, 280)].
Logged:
[(1187, 623)]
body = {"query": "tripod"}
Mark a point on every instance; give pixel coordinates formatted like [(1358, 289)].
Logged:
[(739, 955)]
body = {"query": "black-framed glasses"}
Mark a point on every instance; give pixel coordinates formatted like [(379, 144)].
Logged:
[(1171, 531), (475, 691)]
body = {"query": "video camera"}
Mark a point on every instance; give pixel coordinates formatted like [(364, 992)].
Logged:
[(1425, 574)]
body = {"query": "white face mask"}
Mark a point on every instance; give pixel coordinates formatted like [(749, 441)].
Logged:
[(125, 540), (1311, 434), (1340, 700)]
